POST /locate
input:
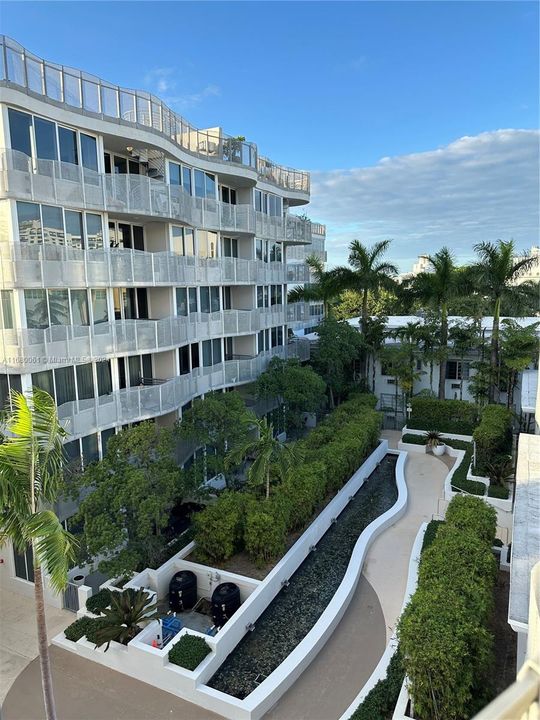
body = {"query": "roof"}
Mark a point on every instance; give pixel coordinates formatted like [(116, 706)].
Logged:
[(529, 389), (526, 527), (398, 321)]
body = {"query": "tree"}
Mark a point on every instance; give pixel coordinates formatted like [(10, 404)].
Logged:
[(373, 338), (217, 422), (437, 288), (268, 453), (497, 273), (134, 488), (428, 338), (519, 347), (31, 461), (384, 302), (338, 347), (397, 359), (464, 338), (296, 386), (325, 289)]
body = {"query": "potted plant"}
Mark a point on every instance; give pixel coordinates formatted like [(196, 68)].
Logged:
[(434, 442)]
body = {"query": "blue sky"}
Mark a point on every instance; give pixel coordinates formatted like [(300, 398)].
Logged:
[(329, 87)]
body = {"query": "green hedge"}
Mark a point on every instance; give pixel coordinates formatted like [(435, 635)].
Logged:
[(443, 632), (497, 491), (98, 602), (381, 700), (493, 437), (450, 416), (78, 629), (189, 652), (413, 439), (331, 453)]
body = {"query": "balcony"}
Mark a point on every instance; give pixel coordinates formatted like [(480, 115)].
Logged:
[(25, 265), (302, 314), (144, 402), (32, 350), (283, 177)]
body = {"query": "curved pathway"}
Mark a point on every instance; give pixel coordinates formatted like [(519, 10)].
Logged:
[(329, 685)]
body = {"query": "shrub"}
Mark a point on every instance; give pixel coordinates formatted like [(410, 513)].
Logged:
[(305, 488), (265, 532), (474, 515), (380, 702), (493, 437), (459, 478), (78, 629), (219, 528), (414, 439), (497, 491), (93, 629), (431, 533), (98, 602), (450, 416), (189, 652)]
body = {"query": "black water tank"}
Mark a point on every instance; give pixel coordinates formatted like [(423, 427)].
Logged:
[(225, 602), (183, 591)]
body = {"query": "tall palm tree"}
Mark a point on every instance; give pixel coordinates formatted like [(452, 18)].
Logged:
[(464, 338), (437, 288), (31, 461), (267, 453), (325, 287), (496, 273)]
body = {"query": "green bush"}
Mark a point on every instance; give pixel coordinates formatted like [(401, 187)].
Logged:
[(414, 439), (450, 416), (98, 602), (265, 532), (379, 703), (189, 652), (497, 491), (96, 624), (493, 437), (473, 514), (431, 533), (459, 478), (219, 528), (305, 488), (78, 629)]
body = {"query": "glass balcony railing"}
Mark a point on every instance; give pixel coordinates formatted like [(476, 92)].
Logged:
[(140, 403), (87, 94), (29, 265), (31, 350)]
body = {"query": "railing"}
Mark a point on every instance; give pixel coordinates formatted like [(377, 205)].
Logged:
[(31, 350), (302, 313), (521, 701), (139, 403), (31, 265), (88, 94)]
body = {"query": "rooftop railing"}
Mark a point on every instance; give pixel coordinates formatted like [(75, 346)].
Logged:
[(88, 94)]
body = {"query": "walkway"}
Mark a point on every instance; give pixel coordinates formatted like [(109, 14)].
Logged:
[(331, 682)]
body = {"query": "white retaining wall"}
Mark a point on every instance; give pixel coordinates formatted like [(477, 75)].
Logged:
[(450, 436)]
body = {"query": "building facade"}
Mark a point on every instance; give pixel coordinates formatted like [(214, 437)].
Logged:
[(144, 262)]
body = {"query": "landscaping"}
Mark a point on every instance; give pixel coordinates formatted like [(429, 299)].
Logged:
[(492, 438), (189, 652), (446, 416)]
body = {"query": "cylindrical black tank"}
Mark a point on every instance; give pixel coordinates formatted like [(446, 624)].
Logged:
[(183, 591), (225, 602)]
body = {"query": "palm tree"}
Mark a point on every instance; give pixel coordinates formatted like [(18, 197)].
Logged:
[(438, 288), (267, 452), (325, 289), (122, 621), (31, 461), (373, 339), (497, 272), (464, 338)]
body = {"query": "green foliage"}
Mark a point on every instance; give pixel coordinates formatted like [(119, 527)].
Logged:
[(447, 416), (493, 437), (443, 632), (98, 602), (305, 489), (338, 347), (380, 702), (497, 491), (134, 488), (78, 629), (122, 620), (265, 531), (189, 652), (96, 625), (297, 386), (219, 528), (431, 533), (414, 439)]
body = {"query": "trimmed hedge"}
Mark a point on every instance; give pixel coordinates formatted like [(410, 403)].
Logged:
[(443, 633), (219, 528), (380, 702), (450, 416), (78, 629), (498, 491), (98, 602), (189, 652), (493, 437), (413, 439), (431, 533)]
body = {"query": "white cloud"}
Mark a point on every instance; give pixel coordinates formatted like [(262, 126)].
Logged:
[(477, 188), (162, 82)]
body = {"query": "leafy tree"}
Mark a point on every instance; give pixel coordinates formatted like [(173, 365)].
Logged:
[(325, 287), (397, 358), (464, 338), (437, 289), (134, 488), (269, 455), (519, 347), (427, 335), (31, 462), (384, 302), (497, 273), (219, 421), (296, 386), (338, 348), (373, 338)]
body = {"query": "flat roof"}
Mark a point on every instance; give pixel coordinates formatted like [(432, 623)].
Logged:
[(526, 527), (529, 389), (398, 321)]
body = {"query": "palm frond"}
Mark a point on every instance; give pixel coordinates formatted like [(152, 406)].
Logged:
[(54, 547)]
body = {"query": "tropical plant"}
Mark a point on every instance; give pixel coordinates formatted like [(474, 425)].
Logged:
[(373, 338), (464, 338), (337, 350), (269, 455), (519, 347), (31, 463), (433, 438), (436, 289), (122, 620), (500, 472), (325, 287), (497, 274)]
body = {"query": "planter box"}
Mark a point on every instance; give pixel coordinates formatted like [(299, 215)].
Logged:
[(450, 436)]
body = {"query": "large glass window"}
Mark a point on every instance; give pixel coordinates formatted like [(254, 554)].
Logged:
[(58, 307), (99, 306), (24, 564), (193, 303), (7, 383), (186, 179), (230, 247), (181, 301), (44, 381), (74, 229), (19, 130), (211, 350), (79, 307), (53, 225), (94, 231), (37, 314), (29, 221), (85, 381), (205, 184), (64, 379), (104, 377), (89, 152), (183, 354), (175, 176), (135, 374), (68, 145), (45, 132), (206, 244), (6, 316), (209, 299)]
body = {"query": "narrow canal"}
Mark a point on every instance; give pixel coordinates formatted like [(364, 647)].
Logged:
[(296, 608)]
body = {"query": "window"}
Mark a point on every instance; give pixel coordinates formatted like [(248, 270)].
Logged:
[(138, 237), (44, 381), (186, 180), (6, 314), (24, 564), (228, 343), (94, 231), (277, 336), (58, 307), (206, 244), (456, 370), (209, 299), (184, 354), (230, 247), (274, 205), (99, 306), (104, 377), (64, 380), (228, 195), (227, 298), (268, 204), (79, 307), (193, 302), (276, 294), (211, 350), (182, 239), (74, 229), (68, 145), (90, 450), (275, 252), (7, 383), (53, 225), (175, 174), (29, 221), (181, 302), (85, 381), (45, 132), (106, 435), (261, 250), (205, 184), (19, 130), (37, 313)]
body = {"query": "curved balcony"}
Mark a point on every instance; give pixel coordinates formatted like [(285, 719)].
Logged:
[(31, 350), (302, 314), (88, 95), (24, 265), (141, 403)]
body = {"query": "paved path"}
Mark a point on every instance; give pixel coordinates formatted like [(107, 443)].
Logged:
[(18, 636)]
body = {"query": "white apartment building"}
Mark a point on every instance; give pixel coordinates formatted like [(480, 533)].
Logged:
[(144, 262)]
